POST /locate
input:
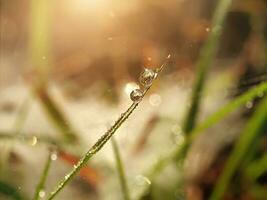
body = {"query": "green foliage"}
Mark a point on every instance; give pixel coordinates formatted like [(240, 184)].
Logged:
[(120, 169), (250, 132)]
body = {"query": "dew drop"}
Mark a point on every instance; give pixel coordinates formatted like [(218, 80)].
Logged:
[(67, 176), (53, 156), (260, 94), (147, 77), (136, 95), (169, 56), (33, 141), (142, 180), (207, 29), (41, 194), (249, 104), (177, 134)]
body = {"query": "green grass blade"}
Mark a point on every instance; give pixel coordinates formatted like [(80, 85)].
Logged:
[(120, 169), (205, 59), (102, 141), (253, 127), (229, 108), (43, 178)]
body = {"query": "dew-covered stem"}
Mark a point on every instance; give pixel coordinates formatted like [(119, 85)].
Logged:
[(43, 178), (120, 170), (100, 142)]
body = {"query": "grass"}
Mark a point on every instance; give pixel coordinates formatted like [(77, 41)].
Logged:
[(204, 62), (120, 170), (250, 132), (101, 142), (41, 184)]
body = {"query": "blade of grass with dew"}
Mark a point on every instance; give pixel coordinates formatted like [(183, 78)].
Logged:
[(253, 127), (102, 141), (10, 191), (206, 56), (120, 169), (43, 178)]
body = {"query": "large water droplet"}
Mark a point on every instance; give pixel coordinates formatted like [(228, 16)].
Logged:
[(147, 77), (136, 95)]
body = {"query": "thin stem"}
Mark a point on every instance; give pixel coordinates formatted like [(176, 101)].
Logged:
[(43, 178), (97, 146), (120, 169), (206, 56), (250, 132)]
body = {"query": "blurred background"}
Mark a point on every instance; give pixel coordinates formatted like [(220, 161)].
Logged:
[(67, 68)]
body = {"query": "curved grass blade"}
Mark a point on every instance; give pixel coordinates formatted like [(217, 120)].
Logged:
[(250, 132), (120, 169)]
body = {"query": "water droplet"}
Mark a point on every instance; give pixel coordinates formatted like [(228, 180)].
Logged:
[(44, 58), (42, 194), (136, 95), (260, 94), (67, 176), (33, 141), (207, 29), (142, 180), (53, 156), (147, 77), (177, 134), (129, 87), (110, 38), (249, 104), (155, 99), (169, 56)]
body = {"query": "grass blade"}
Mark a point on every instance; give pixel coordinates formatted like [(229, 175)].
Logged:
[(43, 178), (206, 56), (102, 141), (228, 108), (120, 169), (255, 124)]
